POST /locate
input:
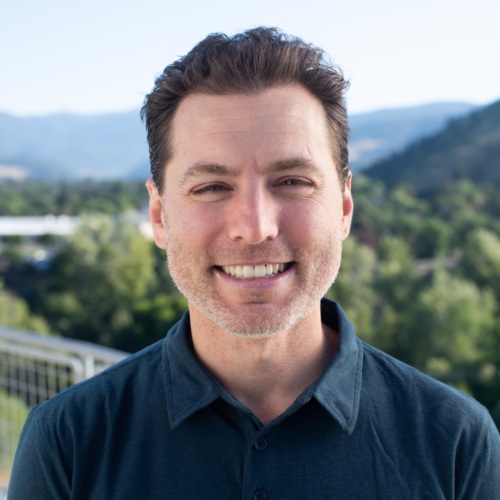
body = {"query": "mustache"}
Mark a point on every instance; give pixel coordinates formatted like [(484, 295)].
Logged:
[(264, 252)]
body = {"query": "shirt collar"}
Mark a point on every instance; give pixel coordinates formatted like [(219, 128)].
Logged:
[(338, 390), (190, 387)]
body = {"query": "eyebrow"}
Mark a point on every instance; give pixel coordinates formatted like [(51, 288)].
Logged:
[(218, 169), (206, 168), (296, 163)]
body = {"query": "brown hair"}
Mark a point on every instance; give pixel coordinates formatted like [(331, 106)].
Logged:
[(244, 64)]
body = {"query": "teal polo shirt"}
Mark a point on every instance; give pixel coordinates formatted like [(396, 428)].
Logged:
[(159, 426)]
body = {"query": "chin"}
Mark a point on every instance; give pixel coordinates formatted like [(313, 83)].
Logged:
[(264, 321)]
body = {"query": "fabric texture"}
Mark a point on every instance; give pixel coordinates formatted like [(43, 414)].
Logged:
[(158, 425)]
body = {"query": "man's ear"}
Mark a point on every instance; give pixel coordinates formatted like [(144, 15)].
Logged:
[(156, 214), (347, 208)]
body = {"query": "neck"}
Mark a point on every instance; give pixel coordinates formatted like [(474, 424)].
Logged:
[(265, 374)]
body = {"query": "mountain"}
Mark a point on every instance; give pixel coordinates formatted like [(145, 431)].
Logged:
[(66, 146), (378, 134), (469, 147)]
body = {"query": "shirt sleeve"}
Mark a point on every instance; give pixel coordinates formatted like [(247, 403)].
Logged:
[(481, 466), (37, 472)]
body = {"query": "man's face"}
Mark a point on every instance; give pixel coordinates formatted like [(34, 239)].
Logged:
[(252, 214)]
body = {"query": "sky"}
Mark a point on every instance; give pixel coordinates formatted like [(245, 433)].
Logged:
[(100, 56)]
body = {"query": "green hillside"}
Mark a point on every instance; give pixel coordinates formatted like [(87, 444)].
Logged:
[(468, 148)]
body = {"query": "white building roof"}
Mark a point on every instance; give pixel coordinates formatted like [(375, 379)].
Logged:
[(37, 226)]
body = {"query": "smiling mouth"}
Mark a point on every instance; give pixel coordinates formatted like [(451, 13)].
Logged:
[(260, 271)]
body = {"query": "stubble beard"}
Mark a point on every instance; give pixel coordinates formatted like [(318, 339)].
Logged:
[(316, 270)]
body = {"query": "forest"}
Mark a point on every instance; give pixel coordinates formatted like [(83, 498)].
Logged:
[(420, 274)]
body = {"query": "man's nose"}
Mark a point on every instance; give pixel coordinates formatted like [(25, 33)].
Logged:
[(253, 217)]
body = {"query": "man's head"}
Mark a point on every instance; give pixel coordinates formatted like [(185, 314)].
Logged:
[(251, 191), (246, 63)]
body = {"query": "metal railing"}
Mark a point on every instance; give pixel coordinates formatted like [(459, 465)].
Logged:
[(33, 368)]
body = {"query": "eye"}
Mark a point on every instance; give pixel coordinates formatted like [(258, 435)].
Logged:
[(295, 182), (210, 188), (210, 192)]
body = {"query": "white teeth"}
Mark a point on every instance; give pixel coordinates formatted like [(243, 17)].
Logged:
[(260, 271), (248, 272)]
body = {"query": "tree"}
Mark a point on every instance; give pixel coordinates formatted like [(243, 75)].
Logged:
[(481, 259), (96, 278), (152, 318), (396, 285), (353, 288), (15, 313), (452, 327), (432, 238)]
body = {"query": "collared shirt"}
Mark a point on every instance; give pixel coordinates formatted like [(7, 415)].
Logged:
[(158, 425)]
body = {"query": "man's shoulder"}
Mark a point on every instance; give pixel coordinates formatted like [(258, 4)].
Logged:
[(428, 423), (413, 394), (130, 376)]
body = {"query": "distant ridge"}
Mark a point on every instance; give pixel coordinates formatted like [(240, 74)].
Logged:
[(469, 147), (113, 146), (66, 146), (379, 134)]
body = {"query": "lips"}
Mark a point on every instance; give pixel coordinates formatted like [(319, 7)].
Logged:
[(250, 272)]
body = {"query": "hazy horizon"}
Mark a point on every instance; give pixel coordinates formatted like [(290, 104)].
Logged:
[(137, 110)]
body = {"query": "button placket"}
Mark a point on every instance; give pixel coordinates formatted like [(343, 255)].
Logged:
[(259, 494), (260, 444), (260, 468)]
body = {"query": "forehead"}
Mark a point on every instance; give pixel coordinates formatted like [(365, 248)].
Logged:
[(288, 99), (273, 120)]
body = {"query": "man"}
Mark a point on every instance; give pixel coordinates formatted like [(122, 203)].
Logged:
[(262, 390)]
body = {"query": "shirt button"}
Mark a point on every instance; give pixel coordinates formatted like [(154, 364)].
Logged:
[(260, 444), (259, 495)]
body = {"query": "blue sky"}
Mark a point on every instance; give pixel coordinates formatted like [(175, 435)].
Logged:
[(97, 56)]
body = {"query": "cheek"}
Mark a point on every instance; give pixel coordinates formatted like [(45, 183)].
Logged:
[(194, 226), (310, 220)]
